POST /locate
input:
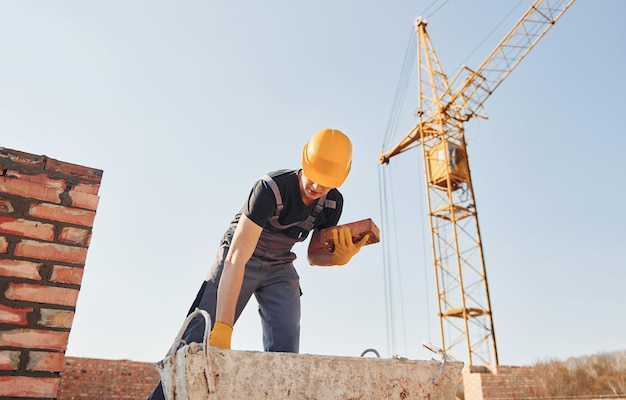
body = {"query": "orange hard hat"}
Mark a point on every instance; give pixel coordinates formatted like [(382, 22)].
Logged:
[(327, 158)]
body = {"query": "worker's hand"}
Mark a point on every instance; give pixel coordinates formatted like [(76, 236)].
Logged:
[(220, 335), (344, 248)]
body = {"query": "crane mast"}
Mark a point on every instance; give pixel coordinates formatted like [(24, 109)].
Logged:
[(464, 304)]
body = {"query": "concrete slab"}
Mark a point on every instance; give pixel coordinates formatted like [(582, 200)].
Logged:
[(198, 371)]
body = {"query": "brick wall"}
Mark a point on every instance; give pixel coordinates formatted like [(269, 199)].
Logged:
[(94, 379), (502, 382), (47, 210), (505, 382)]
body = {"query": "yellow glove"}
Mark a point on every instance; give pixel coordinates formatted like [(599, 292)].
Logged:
[(220, 335), (344, 248)]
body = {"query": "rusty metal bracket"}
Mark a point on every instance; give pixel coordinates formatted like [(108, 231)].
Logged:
[(444, 358)]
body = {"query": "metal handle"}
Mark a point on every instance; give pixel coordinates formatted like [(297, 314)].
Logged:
[(205, 348), (207, 323)]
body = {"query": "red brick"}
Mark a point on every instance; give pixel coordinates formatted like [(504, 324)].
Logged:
[(41, 294), (42, 179), (6, 206), (73, 169), (85, 187), (4, 245), (84, 200), (24, 386), (71, 235), (50, 252), (358, 230), (20, 269), (22, 158), (14, 315), (62, 214), (34, 339), (24, 227), (63, 274), (29, 190), (56, 318), (9, 360), (45, 361)]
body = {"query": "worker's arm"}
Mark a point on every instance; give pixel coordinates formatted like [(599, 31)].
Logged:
[(345, 249), (243, 244), (318, 254)]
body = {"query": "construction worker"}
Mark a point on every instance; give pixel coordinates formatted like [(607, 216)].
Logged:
[(255, 257)]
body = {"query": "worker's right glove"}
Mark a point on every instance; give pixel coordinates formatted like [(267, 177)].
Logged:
[(344, 248), (220, 335)]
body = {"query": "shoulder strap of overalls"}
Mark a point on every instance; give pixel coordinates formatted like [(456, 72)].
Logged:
[(306, 224)]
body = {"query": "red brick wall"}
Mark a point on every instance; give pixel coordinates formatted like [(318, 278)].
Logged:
[(502, 382), (93, 379), (47, 210)]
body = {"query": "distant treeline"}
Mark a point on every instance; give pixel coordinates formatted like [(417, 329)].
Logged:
[(597, 375)]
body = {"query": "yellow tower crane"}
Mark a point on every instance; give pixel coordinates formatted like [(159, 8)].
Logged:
[(465, 315)]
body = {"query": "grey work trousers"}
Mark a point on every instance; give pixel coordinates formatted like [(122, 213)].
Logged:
[(276, 288)]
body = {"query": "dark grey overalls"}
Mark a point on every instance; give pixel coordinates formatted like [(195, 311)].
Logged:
[(270, 276)]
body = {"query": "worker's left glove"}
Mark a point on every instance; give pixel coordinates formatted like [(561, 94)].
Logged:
[(220, 335), (344, 248)]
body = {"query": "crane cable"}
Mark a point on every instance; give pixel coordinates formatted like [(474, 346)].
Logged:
[(387, 208), (405, 76), (482, 42), (437, 9), (392, 276), (401, 88), (387, 218)]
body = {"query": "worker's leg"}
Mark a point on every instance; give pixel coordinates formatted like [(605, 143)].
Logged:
[(279, 308)]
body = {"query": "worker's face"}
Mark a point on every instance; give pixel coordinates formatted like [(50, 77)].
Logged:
[(310, 190)]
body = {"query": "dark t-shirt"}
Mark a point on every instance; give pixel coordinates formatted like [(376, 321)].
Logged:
[(261, 206)]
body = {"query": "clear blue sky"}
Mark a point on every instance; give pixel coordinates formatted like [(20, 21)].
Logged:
[(184, 104)]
